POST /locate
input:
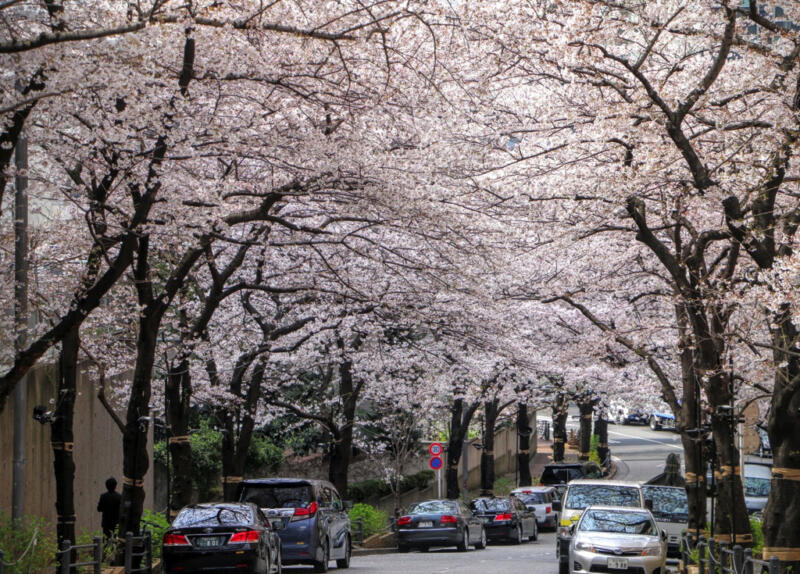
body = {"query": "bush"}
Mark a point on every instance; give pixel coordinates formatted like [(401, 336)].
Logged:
[(28, 547), (374, 520), (758, 535), (157, 524), (263, 456), (376, 488), (503, 486)]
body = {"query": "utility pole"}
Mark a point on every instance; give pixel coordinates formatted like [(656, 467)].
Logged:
[(20, 321)]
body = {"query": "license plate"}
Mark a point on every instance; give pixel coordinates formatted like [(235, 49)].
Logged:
[(618, 563), (426, 524), (207, 542)]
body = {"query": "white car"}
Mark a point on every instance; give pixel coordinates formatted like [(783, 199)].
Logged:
[(540, 499), (609, 538)]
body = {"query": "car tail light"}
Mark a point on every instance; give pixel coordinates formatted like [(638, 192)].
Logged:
[(500, 517), (549, 509), (403, 521), (447, 519), (175, 540), (306, 512), (246, 536)]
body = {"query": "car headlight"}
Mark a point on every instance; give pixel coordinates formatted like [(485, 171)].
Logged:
[(585, 546), (651, 550)]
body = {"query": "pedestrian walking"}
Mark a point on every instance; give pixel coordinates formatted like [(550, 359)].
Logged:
[(108, 505)]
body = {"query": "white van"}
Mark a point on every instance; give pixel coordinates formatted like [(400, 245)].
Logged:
[(670, 507)]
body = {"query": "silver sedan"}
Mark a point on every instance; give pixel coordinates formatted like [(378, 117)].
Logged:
[(621, 540)]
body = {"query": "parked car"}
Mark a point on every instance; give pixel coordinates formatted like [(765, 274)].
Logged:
[(215, 537), (583, 493), (505, 518), (314, 526), (661, 421), (764, 449), (540, 499), (609, 539), (626, 416), (670, 507), (757, 482), (440, 523), (558, 475)]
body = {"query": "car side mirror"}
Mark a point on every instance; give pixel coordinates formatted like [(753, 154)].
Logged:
[(557, 505), (276, 524), (571, 528), (648, 503), (664, 535), (348, 504)]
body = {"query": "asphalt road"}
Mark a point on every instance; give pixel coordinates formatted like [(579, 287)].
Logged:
[(640, 454), (500, 558)]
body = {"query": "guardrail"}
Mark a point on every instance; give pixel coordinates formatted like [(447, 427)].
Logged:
[(68, 550), (720, 558), (136, 548)]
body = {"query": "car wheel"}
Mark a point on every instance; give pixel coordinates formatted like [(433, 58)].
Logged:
[(345, 562), (482, 544), (424, 548), (323, 566), (402, 548), (518, 535), (653, 423), (464, 544), (535, 535)]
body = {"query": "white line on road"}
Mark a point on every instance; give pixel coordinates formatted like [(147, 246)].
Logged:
[(647, 439)]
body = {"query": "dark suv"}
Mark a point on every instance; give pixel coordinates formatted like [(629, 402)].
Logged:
[(309, 515), (559, 474)]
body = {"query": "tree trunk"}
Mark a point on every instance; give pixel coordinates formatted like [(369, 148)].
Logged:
[(343, 439), (586, 408), (782, 512), (601, 430), (62, 436), (178, 398), (559, 408), (135, 461), (731, 523), (524, 453), (459, 425), (487, 454)]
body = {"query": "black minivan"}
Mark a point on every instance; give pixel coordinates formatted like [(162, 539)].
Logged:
[(309, 516)]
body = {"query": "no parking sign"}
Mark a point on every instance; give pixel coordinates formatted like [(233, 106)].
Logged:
[(436, 463), (436, 448)]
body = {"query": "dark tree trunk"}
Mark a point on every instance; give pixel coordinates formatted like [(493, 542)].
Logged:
[(62, 436), (731, 520), (601, 430), (459, 424), (135, 461), (586, 408), (239, 426), (524, 453), (559, 408), (178, 396), (341, 452), (782, 513), (487, 454)]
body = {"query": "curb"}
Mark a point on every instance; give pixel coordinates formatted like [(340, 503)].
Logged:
[(370, 551)]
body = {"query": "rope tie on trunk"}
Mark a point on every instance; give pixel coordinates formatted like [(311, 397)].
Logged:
[(785, 473), (558, 439), (65, 446), (726, 470), (232, 479), (183, 439), (692, 477), (134, 482), (781, 552)]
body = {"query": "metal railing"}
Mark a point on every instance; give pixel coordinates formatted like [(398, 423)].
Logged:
[(68, 550), (358, 531), (136, 548), (720, 558)]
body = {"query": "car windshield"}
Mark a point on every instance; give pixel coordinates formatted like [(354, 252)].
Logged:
[(579, 496), (491, 505), (278, 496), (669, 503), (617, 521), (434, 507), (532, 498), (756, 486), (552, 475), (213, 516)]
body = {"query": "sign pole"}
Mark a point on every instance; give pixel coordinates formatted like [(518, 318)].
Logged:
[(439, 482)]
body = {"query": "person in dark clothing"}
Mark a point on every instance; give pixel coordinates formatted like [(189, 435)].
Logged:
[(109, 505)]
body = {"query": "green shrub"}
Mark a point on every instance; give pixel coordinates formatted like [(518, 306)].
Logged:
[(376, 488), (263, 456), (29, 546), (503, 486), (758, 535), (157, 524), (374, 520)]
